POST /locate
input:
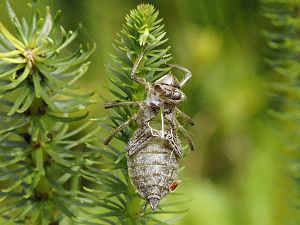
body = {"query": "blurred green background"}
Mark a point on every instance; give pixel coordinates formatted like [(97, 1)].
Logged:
[(236, 175)]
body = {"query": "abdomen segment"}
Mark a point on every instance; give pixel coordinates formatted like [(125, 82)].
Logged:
[(152, 170)]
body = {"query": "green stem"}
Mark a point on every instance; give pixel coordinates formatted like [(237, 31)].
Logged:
[(133, 205)]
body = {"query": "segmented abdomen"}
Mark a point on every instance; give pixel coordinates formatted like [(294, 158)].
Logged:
[(152, 169)]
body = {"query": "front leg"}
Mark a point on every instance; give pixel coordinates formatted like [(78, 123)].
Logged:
[(110, 105), (185, 116), (188, 74), (119, 128), (134, 69)]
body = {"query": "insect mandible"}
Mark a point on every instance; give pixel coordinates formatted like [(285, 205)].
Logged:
[(153, 154)]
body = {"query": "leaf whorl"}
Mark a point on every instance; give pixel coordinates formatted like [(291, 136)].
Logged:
[(40, 153)]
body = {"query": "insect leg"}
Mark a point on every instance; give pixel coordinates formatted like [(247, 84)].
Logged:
[(188, 74), (118, 129), (185, 116), (174, 142), (134, 69), (186, 135), (171, 137), (140, 138), (162, 124), (110, 105)]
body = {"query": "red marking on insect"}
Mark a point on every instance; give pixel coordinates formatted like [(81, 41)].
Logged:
[(173, 185)]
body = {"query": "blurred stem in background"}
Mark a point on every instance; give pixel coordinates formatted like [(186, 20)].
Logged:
[(282, 55)]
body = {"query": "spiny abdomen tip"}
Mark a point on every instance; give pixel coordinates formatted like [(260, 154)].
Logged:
[(153, 202)]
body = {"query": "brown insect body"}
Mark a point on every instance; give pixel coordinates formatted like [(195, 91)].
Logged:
[(152, 170), (153, 154)]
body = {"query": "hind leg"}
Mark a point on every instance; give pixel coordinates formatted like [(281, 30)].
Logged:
[(118, 129), (110, 105)]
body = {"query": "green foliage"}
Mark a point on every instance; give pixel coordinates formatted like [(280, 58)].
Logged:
[(43, 158), (41, 155), (236, 167), (142, 32), (34, 63), (282, 54)]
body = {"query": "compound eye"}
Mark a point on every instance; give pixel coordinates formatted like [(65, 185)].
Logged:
[(176, 95), (157, 87), (168, 93)]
